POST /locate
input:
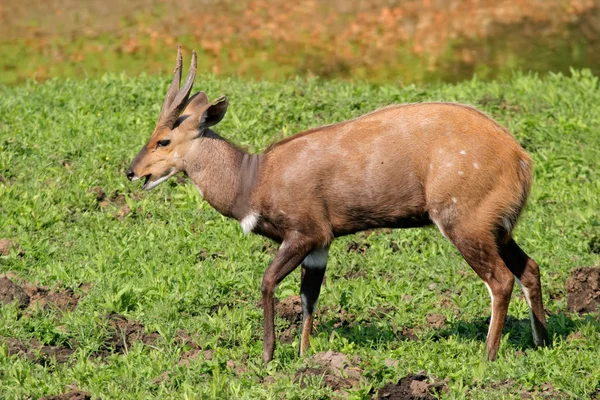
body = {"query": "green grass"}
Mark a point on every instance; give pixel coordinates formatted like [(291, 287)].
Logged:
[(61, 138)]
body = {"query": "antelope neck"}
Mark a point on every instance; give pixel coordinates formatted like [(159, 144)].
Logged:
[(224, 174), (249, 170)]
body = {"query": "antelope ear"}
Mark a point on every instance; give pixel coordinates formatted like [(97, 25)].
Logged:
[(214, 113), (195, 104)]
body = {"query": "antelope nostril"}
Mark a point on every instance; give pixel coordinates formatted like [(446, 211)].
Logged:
[(129, 174)]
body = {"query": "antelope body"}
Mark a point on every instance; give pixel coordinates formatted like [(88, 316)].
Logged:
[(402, 166)]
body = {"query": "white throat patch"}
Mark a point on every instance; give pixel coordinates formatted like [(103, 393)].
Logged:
[(249, 222)]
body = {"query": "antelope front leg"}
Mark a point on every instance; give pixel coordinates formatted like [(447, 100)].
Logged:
[(290, 254)]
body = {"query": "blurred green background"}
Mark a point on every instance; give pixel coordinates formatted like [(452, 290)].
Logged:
[(377, 40)]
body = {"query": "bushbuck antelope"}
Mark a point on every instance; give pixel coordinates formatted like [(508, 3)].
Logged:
[(402, 166)]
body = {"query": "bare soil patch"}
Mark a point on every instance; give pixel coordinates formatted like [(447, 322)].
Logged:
[(583, 290), (357, 247), (289, 309), (414, 386), (63, 300), (29, 295), (38, 353), (8, 245), (336, 370), (10, 291), (124, 333), (436, 320), (195, 349)]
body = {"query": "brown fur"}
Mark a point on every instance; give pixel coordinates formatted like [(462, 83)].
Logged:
[(402, 166)]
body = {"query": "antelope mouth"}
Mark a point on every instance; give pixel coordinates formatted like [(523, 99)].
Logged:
[(146, 179), (151, 182)]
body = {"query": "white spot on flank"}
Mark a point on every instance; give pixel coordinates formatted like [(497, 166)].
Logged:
[(463, 152), (249, 222), (316, 259), (476, 165), (430, 166), (448, 164), (461, 173), (454, 200)]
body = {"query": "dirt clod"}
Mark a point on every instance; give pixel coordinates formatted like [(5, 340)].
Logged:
[(60, 353), (237, 366), (6, 245), (388, 362), (63, 300), (125, 333), (100, 195), (356, 247), (122, 213), (414, 386), (337, 371), (333, 381), (408, 334), (10, 291), (574, 336), (269, 380), (28, 294), (36, 352), (15, 346), (583, 290), (436, 320), (290, 308)]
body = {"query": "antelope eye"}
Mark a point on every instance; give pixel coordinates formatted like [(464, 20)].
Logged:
[(163, 143)]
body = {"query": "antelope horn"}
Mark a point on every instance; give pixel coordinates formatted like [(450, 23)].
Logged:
[(177, 104), (174, 88)]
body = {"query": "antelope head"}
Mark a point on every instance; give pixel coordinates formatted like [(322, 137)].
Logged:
[(182, 120)]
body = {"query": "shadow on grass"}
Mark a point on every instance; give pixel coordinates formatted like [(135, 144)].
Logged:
[(372, 334), (560, 325)]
